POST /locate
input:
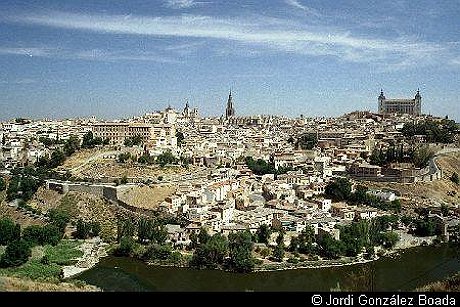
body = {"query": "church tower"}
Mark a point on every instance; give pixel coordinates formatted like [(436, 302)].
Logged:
[(381, 100), (418, 103), (229, 111)]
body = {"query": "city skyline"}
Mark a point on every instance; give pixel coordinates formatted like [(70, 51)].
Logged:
[(316, 58)]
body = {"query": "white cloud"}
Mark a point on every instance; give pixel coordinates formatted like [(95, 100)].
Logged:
[(180, 4), (261, 34), (297, 4), (30, 52), (89, 55)]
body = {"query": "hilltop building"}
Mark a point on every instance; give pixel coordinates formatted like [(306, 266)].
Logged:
[(401, 106)]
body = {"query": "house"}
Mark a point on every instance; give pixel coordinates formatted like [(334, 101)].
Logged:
[(343, 211), (177, 235), (365, 213)]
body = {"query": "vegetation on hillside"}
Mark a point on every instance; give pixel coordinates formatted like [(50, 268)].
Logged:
[(434, 131)]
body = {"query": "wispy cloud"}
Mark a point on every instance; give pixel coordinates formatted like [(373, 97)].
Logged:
[(88, 55), (19, 81), (113, 56), (181, 4), (271, 34), (297, 4), (30, 52)]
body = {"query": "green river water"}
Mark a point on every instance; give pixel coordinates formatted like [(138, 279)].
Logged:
[(410, 269)]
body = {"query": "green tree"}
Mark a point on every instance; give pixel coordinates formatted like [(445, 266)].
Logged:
[(16, 253), (180, 137), (33, 234), (123, 157), (133, 141), (71, 145), (88, 140), (330, 248), (158, 251), (125, 228), (95, 229), (421, 156), (210, 254), (125, 248), (203, 236), (307, 141), (57, 158), (240, 249), (454, 178), (259, 167), (425, 227), (444, 210), (144, 230), (389, 239), (159, 234), (9, 231), (2, 184), (339, 189), (263, 233), (59, 218), (166, 158), (306, 239), (51, 234), (146, 159), (83, 230), (355, 237), (46, 141), (360, 195), (278, 252)]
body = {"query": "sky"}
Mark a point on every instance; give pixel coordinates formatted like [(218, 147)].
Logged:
[(115, 59)]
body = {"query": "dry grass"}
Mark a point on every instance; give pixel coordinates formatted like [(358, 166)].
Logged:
[(451, 284), (23, 284), (147, 197), (18, 216), (46, 199), (113, 169), (436, 191), (80, 157), (91, 208)]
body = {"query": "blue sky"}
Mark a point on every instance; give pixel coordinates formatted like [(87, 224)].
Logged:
[(114, 59)]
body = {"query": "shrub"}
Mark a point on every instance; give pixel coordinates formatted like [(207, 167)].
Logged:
[(16, 253)]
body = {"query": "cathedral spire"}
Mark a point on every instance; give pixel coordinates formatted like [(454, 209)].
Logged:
[(229, 111)]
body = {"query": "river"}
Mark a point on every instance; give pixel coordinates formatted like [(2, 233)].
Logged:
[(410, 269)]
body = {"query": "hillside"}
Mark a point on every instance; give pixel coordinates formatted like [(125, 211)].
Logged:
[(430, 193)]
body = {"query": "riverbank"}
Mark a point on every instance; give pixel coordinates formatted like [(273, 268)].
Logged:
[(406, 241), (93, 250)]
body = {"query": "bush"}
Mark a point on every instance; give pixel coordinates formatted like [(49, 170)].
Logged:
[(16, 253), (158, 252), (59, 218), (258, 261), (293, 260), (125, 248), (38, 235), (9, 231)]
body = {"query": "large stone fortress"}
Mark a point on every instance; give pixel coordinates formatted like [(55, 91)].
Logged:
[(401, 106)]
